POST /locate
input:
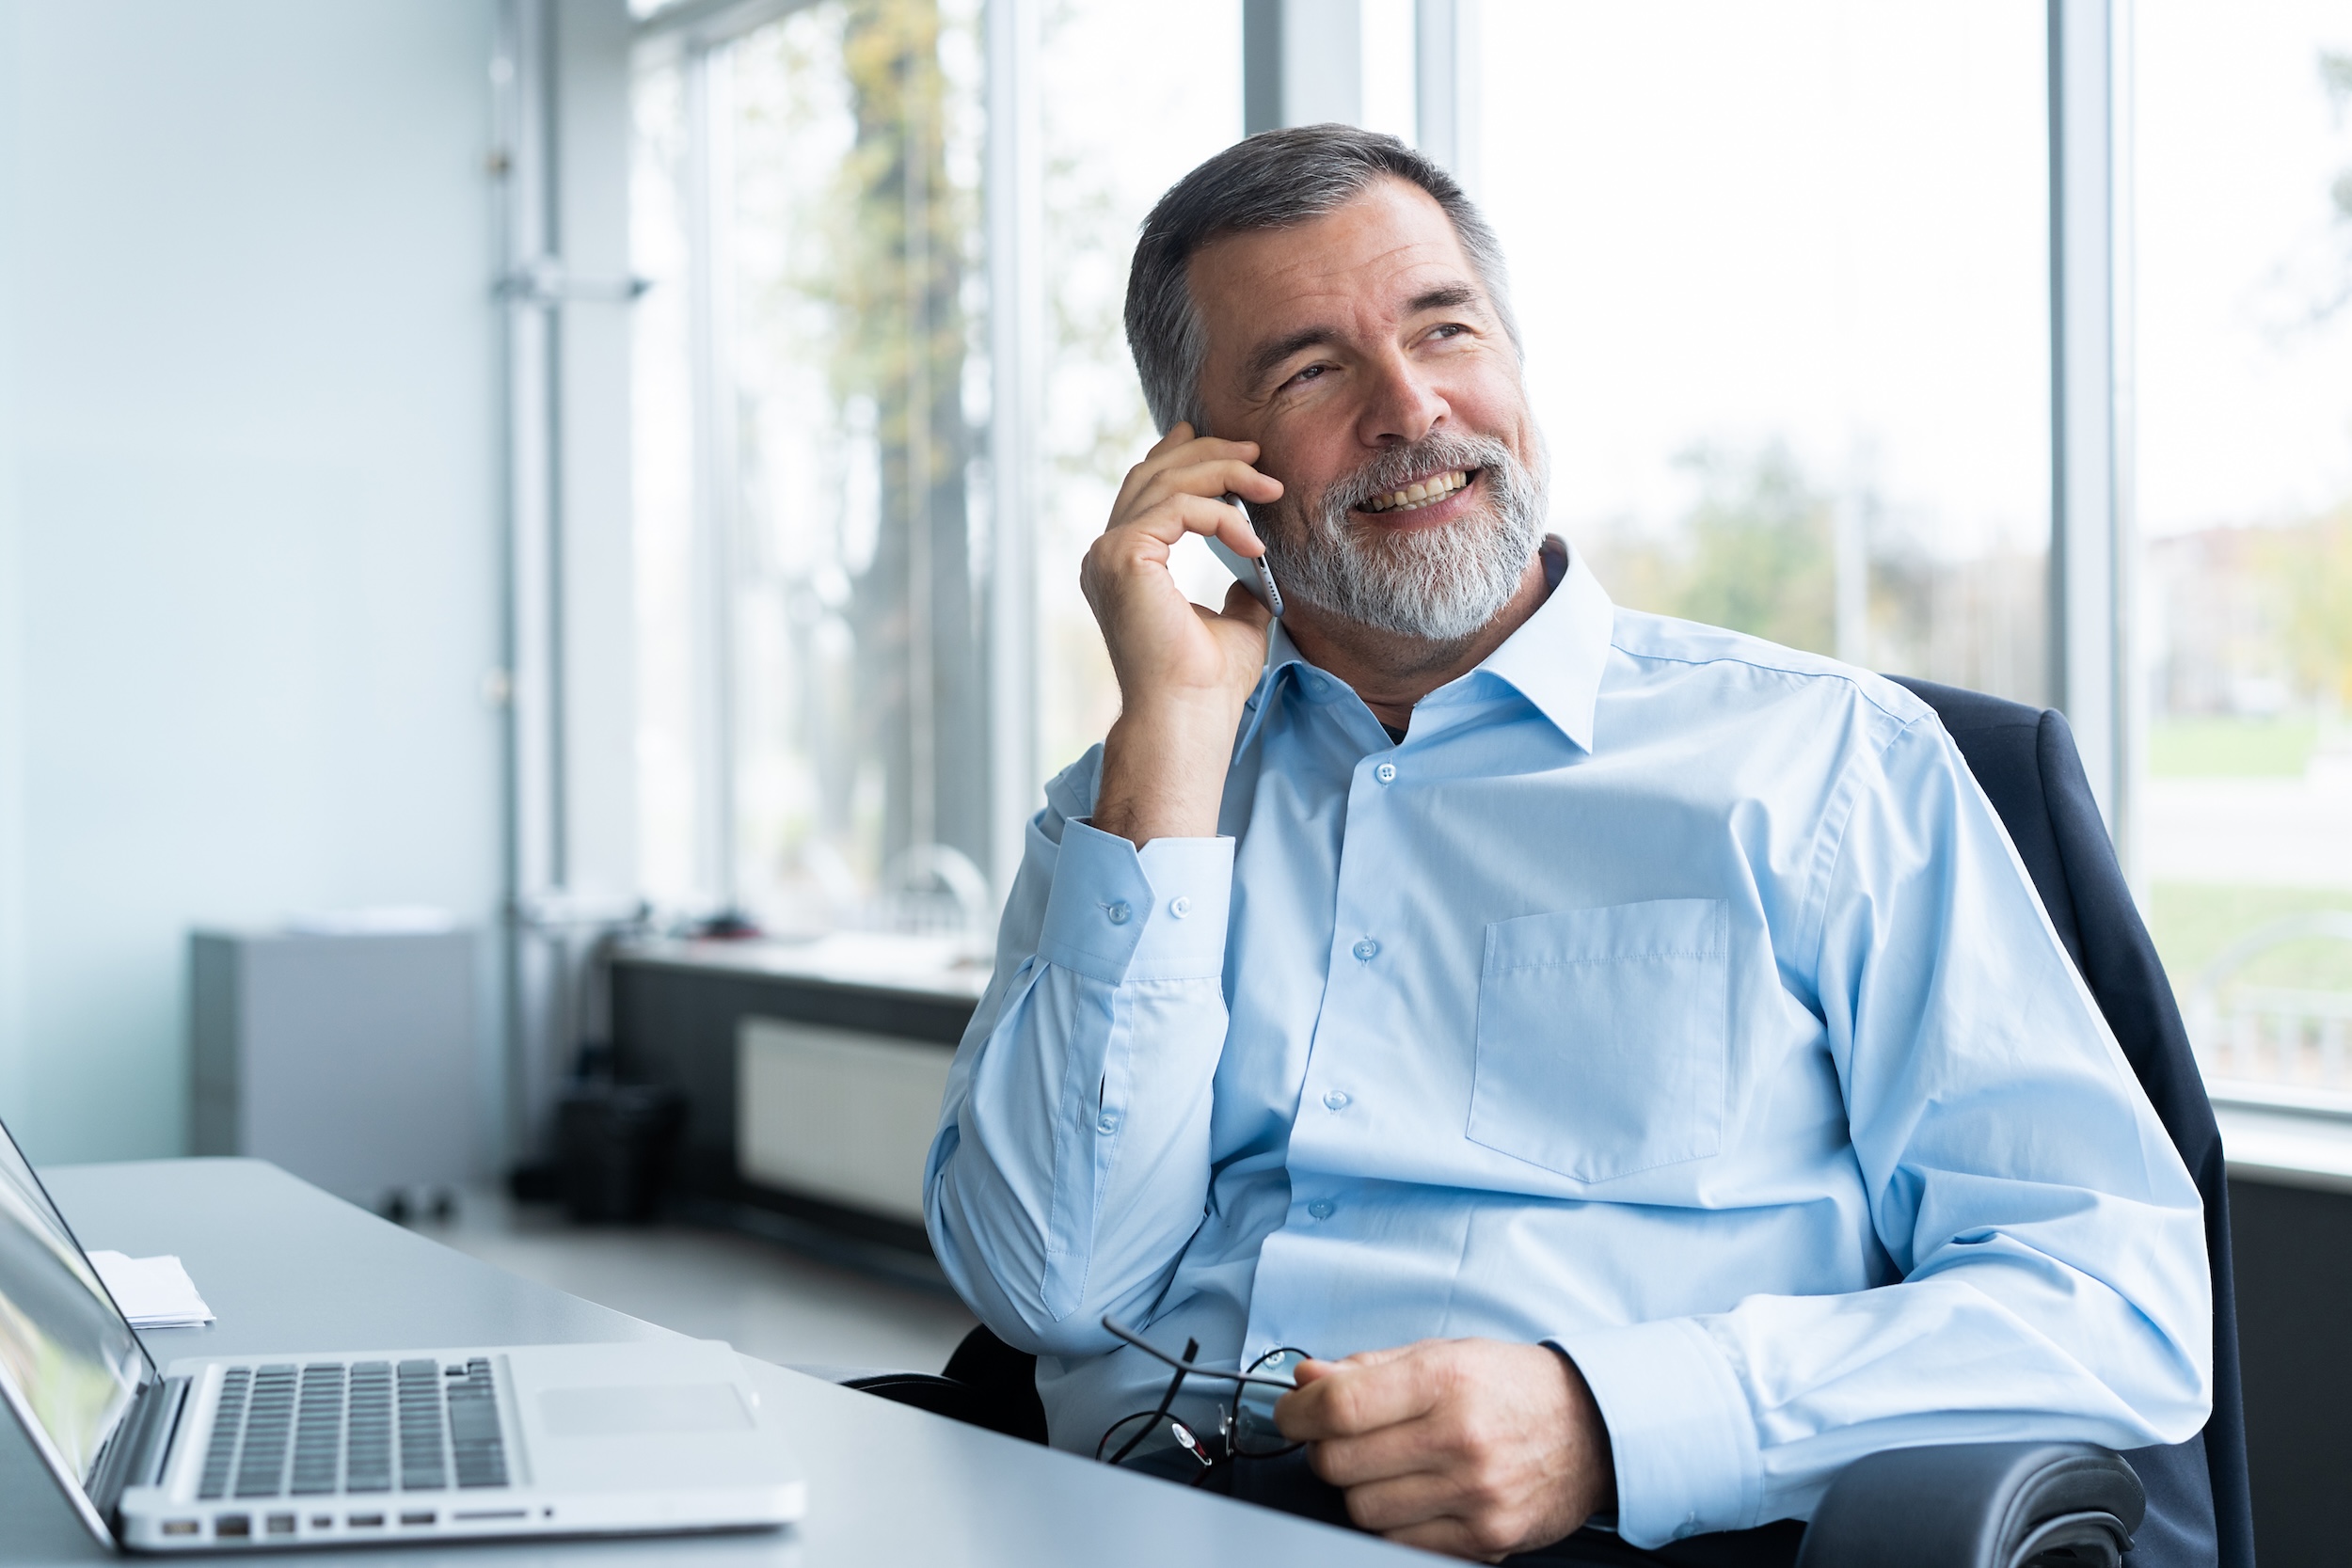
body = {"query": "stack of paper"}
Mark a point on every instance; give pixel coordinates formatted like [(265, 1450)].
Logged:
[(153, 1292)]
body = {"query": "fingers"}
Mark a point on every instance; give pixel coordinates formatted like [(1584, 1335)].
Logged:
[(1180, 462), (1400, 1502), (1361, 1394), (1439, 1513), (1470, 1447), (1209, 476), (1149, 534), (1407, 1448), (1450, 1537)]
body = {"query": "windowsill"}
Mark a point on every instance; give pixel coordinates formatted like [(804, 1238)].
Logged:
[(939, 967), (2292, 1138)]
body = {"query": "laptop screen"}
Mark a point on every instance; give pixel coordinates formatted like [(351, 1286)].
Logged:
[(68, 1362)]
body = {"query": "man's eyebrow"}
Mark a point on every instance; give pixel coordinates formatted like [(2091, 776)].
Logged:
[(1445, 296), (1269, 356)]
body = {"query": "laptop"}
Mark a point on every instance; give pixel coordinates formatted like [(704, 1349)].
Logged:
[(246, 1451)]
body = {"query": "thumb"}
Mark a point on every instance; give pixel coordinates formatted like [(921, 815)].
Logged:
[(1243, 606)]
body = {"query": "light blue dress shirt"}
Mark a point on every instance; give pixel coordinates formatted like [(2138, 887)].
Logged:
[(1667, 995)]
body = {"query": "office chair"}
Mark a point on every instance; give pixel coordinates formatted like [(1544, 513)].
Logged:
[(1977, 1505)]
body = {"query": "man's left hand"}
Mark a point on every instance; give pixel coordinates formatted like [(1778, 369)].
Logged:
[(1470, 1447)]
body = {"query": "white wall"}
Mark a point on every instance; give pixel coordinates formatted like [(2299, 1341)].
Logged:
[(248, 504)]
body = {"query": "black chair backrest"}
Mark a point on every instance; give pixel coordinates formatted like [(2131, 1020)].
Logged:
[(2199, 1507)]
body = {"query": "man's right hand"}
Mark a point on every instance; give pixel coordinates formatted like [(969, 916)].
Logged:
[(1183, 672)]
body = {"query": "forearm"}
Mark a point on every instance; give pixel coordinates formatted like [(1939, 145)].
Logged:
[(1163, 768), (1071, 1161), (1736, 1418)]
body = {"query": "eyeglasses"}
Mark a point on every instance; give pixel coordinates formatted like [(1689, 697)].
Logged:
[(1156, 1441)]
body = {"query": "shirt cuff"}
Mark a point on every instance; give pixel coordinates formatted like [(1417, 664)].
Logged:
[(1680, 1432), (1117, 914)]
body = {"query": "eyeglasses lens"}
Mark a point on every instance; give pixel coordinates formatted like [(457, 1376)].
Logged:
[(1254, 1435)]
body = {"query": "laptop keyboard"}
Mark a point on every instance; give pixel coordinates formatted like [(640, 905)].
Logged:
[(330, 1426)]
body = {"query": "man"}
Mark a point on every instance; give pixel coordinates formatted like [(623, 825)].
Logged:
[(1628, 1054)]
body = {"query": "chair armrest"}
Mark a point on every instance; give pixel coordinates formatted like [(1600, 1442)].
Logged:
[(1976, 1505)]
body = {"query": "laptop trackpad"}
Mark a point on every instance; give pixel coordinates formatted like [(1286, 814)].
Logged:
[(643, 1410)]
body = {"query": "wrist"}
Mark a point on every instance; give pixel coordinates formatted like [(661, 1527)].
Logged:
[(1588, 1431), (1163, 770)]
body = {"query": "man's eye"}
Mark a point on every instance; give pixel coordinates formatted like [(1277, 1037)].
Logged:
[(1310, 374), (1451, 329)]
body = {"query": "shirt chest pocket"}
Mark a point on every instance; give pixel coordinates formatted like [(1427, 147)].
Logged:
[(1602, 1038)]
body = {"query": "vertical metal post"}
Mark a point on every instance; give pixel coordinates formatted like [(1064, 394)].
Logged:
[(530, 738), (710, 337), (922, 683), (1322, 62), (1302, 63), (1445, 65), (1261, 66), (1016, 370), (2088, 528), (2132, 684)]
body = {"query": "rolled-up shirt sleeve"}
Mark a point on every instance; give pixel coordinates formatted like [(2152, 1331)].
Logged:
[(1071, 1160), (2044, 1244)]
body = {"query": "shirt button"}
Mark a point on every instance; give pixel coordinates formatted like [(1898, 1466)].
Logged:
[(1118, 912), (1386, 772), (1106, 1124), (1366, 949), (1321, 1208), (1336, 1100), (1180, 906)]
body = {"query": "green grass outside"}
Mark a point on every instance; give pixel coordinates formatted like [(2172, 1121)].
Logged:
[(2230, 748), (2193, 922)]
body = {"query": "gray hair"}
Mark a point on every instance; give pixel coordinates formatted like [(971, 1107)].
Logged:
[(1273, 179)]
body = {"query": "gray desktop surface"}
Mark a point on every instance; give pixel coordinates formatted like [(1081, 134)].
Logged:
[(290, 1270)]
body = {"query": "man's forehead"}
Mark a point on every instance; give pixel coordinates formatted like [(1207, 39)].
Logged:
[(1380, 252)]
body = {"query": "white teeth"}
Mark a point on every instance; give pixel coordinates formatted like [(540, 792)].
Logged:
[(1421, 494)]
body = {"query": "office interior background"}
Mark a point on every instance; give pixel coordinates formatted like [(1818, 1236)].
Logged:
[(608, 475)]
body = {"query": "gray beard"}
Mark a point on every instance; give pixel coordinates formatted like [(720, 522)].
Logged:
[(1437, 587)]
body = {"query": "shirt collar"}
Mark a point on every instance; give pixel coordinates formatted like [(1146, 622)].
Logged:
[(1554, 659), (1283, 661)]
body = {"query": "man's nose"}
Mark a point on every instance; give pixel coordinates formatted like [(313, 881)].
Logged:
[(1401, 407)]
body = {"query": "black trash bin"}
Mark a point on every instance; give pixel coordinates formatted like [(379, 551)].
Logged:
[(615, 1144)]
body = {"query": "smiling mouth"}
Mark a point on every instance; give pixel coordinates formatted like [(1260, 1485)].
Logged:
[(1420, 493)]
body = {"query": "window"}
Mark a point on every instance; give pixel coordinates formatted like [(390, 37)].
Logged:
[(814, 434), (812, 405), (2244, 204), (1783, 277), (1112, 139)]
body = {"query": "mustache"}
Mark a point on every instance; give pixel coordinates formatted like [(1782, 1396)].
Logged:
[(1398, 467)]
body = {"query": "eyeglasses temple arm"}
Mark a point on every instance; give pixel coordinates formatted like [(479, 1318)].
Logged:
[(1124, 1332)]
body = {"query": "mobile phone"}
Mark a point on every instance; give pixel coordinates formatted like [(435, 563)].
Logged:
[(1256, 575)]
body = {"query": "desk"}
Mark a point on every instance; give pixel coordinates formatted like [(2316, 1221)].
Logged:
[(292, 1270)]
